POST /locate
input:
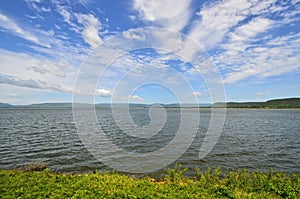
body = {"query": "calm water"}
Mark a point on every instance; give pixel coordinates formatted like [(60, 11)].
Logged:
[(252, 139)]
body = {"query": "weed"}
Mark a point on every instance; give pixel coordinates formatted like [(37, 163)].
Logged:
[(39, 182)]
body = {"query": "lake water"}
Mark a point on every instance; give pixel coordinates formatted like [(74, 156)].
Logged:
[(252, 139)]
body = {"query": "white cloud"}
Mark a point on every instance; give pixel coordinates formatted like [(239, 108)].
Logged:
[(10, 94), (241, 32), (36, 84), (90, 32), (216, 20), (197, 94), (132, 17), (251, 29), (45, 66), (39, 9), (167, 13), (33, 1), (103, 92), (64, 13), (136, 34), (136, 98), (264, 62), (248, 55), (29, 83), (46, 9), (23, 70), (240, 38)]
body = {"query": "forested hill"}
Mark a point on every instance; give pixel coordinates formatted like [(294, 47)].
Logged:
[(274, 104)]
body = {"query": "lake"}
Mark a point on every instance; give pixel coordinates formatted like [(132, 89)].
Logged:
[(251, 139)]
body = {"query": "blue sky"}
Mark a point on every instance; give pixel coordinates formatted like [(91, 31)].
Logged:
[(255, 46)]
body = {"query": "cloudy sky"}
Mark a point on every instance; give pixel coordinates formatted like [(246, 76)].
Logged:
[(253, 45)]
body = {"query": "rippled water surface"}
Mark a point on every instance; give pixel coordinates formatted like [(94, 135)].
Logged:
[(252, 139)]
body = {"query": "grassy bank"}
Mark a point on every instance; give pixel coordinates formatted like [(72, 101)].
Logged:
[(215, 184)]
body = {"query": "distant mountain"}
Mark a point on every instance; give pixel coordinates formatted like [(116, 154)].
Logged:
[(185, 105), (42, 105), (275, 104), (5, 105), (120, 105), (101, 105), (50, 105)]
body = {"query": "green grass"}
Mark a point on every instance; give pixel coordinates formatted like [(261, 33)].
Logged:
[(208, 184)]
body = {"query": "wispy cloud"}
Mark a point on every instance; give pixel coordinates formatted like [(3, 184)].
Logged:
[(63, 11), (56, 68), (12, 27), (22, 70), (90, 32), (30, 83), (240, 32), (249, 41), (251, 29), (34, 4), (271, 59), (88, 25), (217, 19)]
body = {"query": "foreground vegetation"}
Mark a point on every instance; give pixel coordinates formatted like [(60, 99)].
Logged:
[(30, 183)]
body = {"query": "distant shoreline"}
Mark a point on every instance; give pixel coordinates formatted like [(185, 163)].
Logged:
[(168, 108), (286, 103)]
